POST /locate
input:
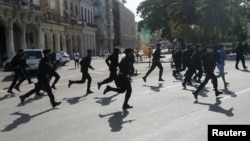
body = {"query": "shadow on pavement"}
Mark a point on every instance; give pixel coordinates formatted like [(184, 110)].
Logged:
[(116, 120), (216, 108), (104, 101), (23, 118)]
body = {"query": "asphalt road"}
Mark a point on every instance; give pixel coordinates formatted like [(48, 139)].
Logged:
[(162, 110)]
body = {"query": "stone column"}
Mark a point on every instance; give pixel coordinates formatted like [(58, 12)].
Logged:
[(94, 44), (80, 47), (50, 41), (74, 43), (10, 39), (40, 38), (57, 42), (84, 45), (23, 44), (69, 46), (64, 47)]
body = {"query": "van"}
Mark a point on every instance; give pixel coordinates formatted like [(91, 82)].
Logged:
[(33, 57)]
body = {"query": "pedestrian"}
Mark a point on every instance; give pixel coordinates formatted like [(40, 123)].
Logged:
[(150, 51), (85, 65), (25, 74), (177, 59), (194, 65), (16, 62), (112, 61), (155, 62), (209, 64), (240, 56), (44, 70), (197, 63), (54, 72), (126, 69), (221, 64), (76, 58), (185, 60)]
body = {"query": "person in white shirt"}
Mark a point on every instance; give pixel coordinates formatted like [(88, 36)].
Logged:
[(58, 59), (76, 58)]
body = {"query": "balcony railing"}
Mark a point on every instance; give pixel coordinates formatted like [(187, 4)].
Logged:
[(34, 7), (52, 17), (7, 2), (16, 5)]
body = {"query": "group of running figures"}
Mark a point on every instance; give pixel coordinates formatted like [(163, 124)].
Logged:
[(196, 60)]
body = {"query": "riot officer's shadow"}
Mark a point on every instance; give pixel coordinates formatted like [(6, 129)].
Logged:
[(155, 88), (8, 78), (116, 120), (244, 70), (104, 101), (217, 108), (229, 92), (7, 96), (74, 100), (22, 119)]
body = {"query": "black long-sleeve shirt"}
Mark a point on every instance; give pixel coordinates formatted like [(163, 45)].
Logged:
[(85, 64), (157, 55), (126, 66), (112, 61), (44, 67)]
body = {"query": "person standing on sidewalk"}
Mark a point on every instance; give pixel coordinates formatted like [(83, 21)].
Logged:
[(85, 65), (44, 70), (150, 51), (156, 62), (76, 58)]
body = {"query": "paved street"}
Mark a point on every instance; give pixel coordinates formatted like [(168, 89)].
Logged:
[(162, 110)]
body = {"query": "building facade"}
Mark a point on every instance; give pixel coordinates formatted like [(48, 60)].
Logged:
[(116, 25), (59, 25), (125, 26), (103, 13), (64, 25)]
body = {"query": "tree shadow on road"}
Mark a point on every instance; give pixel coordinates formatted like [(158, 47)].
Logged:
[(104, 101), (155, 88), (23, 118), (216, 108), (116, 120)]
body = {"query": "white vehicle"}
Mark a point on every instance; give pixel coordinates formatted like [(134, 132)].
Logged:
[(33, 57), (64, 58)]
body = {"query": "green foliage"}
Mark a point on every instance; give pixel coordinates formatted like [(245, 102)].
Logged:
[(196, 20)]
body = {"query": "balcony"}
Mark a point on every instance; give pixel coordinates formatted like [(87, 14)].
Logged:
[(97, 3), (91, 25), (56, 18), (34, 7), (9, 4)]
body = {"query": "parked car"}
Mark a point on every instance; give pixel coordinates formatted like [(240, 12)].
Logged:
[(7, 65), (64, 58), (33, 57)]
